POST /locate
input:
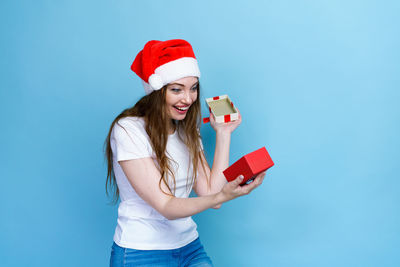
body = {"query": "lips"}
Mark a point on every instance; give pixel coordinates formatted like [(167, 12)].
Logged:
[(181, 109)]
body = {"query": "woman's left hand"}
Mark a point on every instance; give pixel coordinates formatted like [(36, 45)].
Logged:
[(226, 127)]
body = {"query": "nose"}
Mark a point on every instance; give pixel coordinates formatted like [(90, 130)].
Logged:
[(187, 98)]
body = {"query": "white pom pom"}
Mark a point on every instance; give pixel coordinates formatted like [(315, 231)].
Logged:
[(155, 81)]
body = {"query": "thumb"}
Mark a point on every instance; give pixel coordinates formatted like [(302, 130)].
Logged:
[(212, 118), (238, 180)]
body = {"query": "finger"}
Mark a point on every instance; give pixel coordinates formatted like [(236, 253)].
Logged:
[(212, 118), (255, 183), (251, 186), (247, 188), (240, 115), (259, 179), (237, 181), (262, 174)]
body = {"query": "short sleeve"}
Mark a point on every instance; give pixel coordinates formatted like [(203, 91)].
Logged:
[(129, 140)]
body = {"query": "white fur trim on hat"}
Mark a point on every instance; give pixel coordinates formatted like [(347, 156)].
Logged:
[(172, 71), (178, 69), (155, 81), (147, 88)]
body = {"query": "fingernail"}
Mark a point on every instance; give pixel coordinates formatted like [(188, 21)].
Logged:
[(241, 177)]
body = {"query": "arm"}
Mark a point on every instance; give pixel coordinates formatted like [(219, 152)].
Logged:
[(221, 159), (144, 178)]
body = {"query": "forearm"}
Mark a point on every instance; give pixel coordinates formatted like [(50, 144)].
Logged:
[(184, 207), (221, 161)]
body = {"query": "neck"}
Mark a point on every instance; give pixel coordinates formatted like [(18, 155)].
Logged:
[(171, 127)]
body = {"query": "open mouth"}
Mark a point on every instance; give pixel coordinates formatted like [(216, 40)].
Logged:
[(182, 109)]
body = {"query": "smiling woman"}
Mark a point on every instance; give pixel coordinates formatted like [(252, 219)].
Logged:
[(155, 159), (180, 96)]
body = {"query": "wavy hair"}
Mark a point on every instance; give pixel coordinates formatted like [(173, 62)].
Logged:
[(153, 109)]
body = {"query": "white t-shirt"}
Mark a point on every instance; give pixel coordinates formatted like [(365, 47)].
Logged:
[(139, 225)]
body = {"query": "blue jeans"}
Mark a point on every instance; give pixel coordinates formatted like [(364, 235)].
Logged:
[(192, 255)]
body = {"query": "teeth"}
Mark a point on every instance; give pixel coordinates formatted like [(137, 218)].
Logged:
[(182, 108)]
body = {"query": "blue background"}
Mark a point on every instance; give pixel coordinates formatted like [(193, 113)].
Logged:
[(317, 83)]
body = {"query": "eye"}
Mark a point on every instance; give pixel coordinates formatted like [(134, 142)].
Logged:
[(175, 90), (195, 88)]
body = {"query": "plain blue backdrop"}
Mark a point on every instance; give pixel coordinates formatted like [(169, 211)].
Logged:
[(317, 83)]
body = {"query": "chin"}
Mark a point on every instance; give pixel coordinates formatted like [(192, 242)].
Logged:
[(176, 116), (179, 118)]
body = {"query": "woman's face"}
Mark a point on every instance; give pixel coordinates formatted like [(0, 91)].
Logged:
[(180, 95)]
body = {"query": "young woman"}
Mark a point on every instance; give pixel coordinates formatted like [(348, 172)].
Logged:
[(155, 158)]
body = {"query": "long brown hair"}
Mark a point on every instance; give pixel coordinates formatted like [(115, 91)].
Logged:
[(152, 108)]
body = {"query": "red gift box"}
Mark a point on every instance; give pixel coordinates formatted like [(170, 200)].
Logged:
[(249, 165)]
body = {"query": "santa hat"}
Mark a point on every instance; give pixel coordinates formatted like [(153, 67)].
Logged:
[(162, 62)]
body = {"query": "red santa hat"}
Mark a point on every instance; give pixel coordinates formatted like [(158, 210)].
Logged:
[(162, 62)]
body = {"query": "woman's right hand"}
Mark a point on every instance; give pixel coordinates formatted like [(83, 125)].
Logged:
[(228, 127), (233, 189)]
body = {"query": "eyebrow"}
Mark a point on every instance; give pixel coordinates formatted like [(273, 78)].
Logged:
[(183, 84)]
